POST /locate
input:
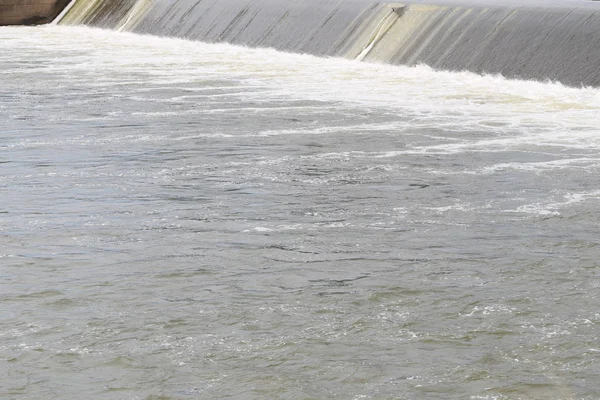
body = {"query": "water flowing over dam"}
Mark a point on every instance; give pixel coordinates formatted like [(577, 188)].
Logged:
[(528, 42)]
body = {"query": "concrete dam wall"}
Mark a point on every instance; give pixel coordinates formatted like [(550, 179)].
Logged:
[(535, 42), (30, 12)]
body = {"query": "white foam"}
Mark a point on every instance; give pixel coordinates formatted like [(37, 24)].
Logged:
[(554, 207), (260, 229), (579, 162), (509, 114)]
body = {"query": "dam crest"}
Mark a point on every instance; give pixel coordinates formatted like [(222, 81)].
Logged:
[(531, 42)]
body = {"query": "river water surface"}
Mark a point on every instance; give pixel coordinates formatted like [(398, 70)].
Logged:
[(182, 220)]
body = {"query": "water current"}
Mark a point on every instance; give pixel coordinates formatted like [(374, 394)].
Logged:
[(181, 220)]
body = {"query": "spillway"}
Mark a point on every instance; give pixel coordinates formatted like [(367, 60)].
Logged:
[(558, 43)]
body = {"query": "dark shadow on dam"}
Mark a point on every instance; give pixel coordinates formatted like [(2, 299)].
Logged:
[(547, 41), (30, 12)]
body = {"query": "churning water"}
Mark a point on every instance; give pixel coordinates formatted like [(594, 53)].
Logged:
[(181, 220)]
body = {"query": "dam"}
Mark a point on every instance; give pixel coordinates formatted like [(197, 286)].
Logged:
[(550, 41)]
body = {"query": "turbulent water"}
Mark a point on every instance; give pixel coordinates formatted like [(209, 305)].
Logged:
[(181, 220)]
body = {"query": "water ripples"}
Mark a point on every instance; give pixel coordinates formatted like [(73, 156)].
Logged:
[(184, 220)]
